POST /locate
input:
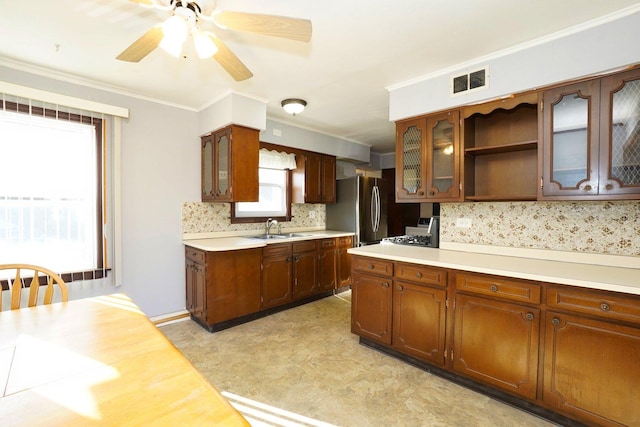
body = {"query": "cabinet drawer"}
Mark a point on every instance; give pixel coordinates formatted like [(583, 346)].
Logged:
[(598, 303), (421, 274), (510, 289), (305, 246), (345, 242), (195, 254), (279, 249), (327, 244), (373, 265)]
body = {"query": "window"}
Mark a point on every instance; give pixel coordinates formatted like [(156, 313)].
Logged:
[(51, 189), (274, 190), (273, 197)]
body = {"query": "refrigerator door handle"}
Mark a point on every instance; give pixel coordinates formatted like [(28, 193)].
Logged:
[(375, 208)]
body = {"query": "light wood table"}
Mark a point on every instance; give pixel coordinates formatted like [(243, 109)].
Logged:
[(99, 361)]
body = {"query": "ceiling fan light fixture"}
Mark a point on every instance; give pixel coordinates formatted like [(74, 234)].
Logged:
[(205, 47), (294, 106), (174, 31)]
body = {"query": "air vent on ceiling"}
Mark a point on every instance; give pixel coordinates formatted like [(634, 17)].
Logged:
[(472, 81)]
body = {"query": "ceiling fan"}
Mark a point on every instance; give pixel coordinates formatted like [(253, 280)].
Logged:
[(171, 34)]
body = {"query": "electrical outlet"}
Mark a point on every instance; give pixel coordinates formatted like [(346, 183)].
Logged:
[(463, 222), (277, 132)]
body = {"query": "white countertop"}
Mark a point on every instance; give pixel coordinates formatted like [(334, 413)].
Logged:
[(246, 242), (618, 279)]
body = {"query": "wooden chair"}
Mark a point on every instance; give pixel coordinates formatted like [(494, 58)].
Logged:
[(26, 275)]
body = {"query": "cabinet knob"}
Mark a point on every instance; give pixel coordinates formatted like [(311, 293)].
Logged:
[(418, 275), (385, 285), (494, 288), (420, 193), (370, 267), (432, 193), (400, 288), (587, 188), (529, 316), (288, 259), (605, 307), (608, 186), (555, 321)]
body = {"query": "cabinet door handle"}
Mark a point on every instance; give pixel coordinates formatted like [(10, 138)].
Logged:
[(587, 187), (385, 285), (432, 193), (418, 275), (288, 259), (605, 307), (370, 267), (296, 258), (555, 321), (529, 316), (494, 288), (400, 288), (608, 187)]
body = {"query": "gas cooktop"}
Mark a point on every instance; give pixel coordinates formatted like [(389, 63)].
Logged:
[(410, 240)]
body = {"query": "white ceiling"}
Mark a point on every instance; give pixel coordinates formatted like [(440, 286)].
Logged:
[(358, 48)]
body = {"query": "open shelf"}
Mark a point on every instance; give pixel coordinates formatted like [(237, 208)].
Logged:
[(503, 148)]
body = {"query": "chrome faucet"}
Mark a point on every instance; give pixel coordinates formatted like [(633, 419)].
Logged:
[(269, 223)]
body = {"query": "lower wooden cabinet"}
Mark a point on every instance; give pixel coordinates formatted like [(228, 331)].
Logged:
[(276, 275), (327, 264), (419, 314), (304, 264), (591, 369), (371, 307), (222, 285), (565, 349), (343, 267), (497, 342)]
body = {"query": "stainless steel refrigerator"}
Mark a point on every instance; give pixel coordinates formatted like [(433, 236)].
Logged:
[(361, 207)]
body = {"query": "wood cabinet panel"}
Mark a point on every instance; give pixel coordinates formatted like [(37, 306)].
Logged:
[(314, 179), (608, 304), (372, 266), (419, 314), (276, 275), (500, 287), (343, 267), (371, 307), (229, 169), (421, 274), (327, 264), (305, 282), (497, 343), (590, 369)]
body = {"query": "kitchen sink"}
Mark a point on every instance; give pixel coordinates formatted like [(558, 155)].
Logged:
[(278, 236), (269, 236)]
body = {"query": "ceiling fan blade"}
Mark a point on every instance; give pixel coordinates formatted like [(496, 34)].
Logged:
[(143, 46), (230, 61), (145, 2), (270, 25)]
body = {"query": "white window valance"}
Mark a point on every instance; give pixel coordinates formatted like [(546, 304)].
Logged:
[(272, 159)]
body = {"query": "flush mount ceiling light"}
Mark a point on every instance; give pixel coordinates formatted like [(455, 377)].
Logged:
[(294, 106)]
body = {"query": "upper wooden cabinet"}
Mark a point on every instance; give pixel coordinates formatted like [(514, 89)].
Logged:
[(443, 157), (591, 139), (500, 149), (314, 179), (411, 166), (428, 159), (230, 165)]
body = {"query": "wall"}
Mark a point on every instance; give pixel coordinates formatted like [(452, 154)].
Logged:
[(605, 47), (200, 217), (611, 228), (160, 170)]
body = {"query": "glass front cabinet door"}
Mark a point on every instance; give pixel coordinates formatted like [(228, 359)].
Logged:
[(591, 139), (411, 174), (216, 166), (620, 135), (443, 172)]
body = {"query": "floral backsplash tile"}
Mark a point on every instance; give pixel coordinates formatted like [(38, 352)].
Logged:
[(588, 227), (200, 217)]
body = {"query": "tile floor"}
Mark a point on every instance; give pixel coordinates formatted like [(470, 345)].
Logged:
[(306, 361)]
